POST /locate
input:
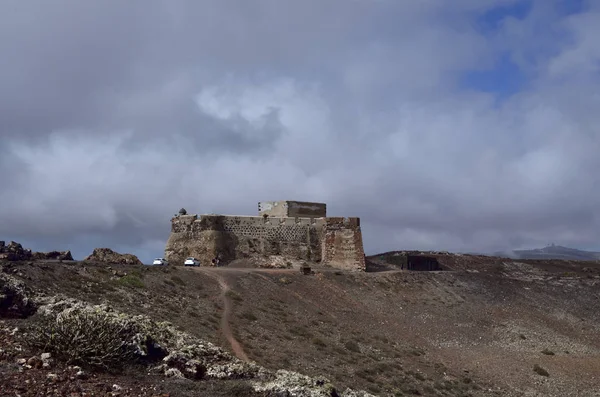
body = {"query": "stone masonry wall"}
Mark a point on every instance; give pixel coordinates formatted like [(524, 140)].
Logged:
[(342, 244), (236, 237), (335, 241)]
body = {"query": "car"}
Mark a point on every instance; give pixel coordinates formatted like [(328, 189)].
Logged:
[(160, 262), (191, 262)]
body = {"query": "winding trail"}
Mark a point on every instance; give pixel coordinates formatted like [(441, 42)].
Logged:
[(237, 348), (217, 274)]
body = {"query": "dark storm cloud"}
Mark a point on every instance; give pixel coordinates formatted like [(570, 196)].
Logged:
[(113, 115)]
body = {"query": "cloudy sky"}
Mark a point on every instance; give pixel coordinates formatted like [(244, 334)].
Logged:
[(453, 125)]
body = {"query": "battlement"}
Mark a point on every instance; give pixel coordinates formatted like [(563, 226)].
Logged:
[(293, 229)]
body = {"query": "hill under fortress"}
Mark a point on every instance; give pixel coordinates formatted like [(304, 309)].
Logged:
[(294, 230)]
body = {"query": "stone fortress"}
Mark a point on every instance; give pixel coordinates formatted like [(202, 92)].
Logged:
[(293, 230)]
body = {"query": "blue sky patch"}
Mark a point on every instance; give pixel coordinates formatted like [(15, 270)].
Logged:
[(491, 21), (570, 7), (503, 79)]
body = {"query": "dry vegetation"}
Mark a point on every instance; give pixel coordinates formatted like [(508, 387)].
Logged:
[(491, 327)]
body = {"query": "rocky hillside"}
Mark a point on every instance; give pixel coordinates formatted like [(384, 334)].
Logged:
[(74, 346), (482, 327)]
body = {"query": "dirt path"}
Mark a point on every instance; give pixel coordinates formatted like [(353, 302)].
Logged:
[(237, 348)]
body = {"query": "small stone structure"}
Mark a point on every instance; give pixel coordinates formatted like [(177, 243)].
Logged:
[(415, 260), (292, 229), (305, 269), (292, 209)]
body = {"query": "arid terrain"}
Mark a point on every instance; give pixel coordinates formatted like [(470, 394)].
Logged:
[(484, 326)]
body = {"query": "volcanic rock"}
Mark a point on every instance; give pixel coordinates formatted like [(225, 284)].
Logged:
[(14, 252), (53, 255), (14, 298), (106, 255)]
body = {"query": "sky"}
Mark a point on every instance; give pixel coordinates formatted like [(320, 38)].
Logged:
[(461, 125)]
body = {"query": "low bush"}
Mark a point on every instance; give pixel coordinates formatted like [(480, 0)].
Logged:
[(240, 388), (249, 316), (301, 331), (131, 280), (540, 371), (178, 280), (234, 295), (87, 338), (352, 346)]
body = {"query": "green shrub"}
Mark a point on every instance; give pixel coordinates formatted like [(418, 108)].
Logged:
[(86, 338), (131, 280)]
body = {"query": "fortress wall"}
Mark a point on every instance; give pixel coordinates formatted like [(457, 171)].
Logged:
[(236, 237), (342, 244), (182, 223), (334, 241)]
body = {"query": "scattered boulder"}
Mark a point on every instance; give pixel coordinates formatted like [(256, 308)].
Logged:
[(306, 269), (14, 298), (106, 255), (275, 262), (35, 362)]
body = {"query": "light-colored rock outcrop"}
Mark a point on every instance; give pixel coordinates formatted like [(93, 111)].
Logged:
[(106, 255)]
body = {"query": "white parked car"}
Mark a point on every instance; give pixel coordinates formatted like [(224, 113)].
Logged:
[(160, 262), (191, 262)]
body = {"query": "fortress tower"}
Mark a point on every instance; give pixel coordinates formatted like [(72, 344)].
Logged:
[(291, 229), (292, 209)]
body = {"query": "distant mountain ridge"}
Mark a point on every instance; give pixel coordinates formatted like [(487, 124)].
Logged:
[(551, 252)]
